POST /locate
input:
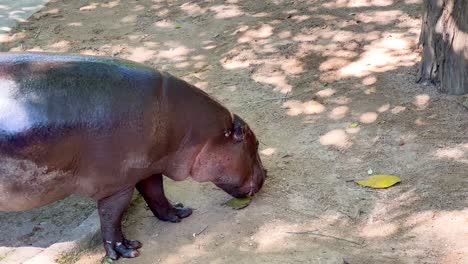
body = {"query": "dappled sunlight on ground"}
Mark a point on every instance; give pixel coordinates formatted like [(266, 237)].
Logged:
[(296, 107), (337, 138), (268, 151), (368, 117), (379, 229), (338, 112), (190, 251), (421, 101), (446, 230), (358, 3), (273, 237), (382, 55), (457, 153)]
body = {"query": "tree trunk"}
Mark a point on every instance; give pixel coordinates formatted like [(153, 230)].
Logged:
[(444, 37)]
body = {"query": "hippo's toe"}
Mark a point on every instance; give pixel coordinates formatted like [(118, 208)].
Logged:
[(125, 249), (181, 211), (133, 244), (174, 214)]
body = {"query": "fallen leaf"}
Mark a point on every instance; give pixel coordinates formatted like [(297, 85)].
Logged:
[(238, 203), (380, 181), (108, 260), (353, 125), (177, 26)]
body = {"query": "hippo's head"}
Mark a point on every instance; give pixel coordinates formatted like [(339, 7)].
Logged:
[(231, 161)]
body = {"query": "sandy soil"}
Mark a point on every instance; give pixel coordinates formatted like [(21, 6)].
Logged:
[(300, 73)]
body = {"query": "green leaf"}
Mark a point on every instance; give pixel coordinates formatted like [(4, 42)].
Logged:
[(108, 260), (353, 125), (177, 26), (238, 203), (325, 84), (380, 181)]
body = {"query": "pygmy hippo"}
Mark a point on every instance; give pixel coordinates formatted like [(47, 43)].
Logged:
[(99, 127)]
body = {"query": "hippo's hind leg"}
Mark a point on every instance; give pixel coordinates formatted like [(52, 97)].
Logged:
[(111, 210), (152, 191)]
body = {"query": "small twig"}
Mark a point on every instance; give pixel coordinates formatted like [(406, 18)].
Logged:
[(286, 96), (201, 231), (38, 32), (313, 232), (302, 232), (279, 98), (343, 213)]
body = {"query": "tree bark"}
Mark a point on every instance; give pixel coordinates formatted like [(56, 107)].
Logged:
[(444, 38)]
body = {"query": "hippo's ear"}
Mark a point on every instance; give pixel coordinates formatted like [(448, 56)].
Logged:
[(238, 134)]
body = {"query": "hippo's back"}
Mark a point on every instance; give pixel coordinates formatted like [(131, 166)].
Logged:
[(39, 89)]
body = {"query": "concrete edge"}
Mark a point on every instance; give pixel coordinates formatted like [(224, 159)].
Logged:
[(80, 238)]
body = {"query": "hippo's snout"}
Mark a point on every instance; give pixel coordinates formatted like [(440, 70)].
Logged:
[(234, 191), (250, 187)]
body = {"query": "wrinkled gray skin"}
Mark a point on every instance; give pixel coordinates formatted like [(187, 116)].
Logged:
[(100, 127)]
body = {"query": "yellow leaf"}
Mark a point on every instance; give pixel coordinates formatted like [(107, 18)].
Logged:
[(380, 181), (353, 125)]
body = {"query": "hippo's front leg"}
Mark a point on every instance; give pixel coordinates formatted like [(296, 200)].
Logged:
[(152, 191), (111, 210)]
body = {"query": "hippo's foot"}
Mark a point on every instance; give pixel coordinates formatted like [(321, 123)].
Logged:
[(110, 211), (125, 249), (153, 192), (173, 214)]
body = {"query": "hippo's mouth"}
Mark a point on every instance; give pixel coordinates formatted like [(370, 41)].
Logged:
[(234, 191)]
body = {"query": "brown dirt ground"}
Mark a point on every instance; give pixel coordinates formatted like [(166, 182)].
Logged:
[(300, 73)]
